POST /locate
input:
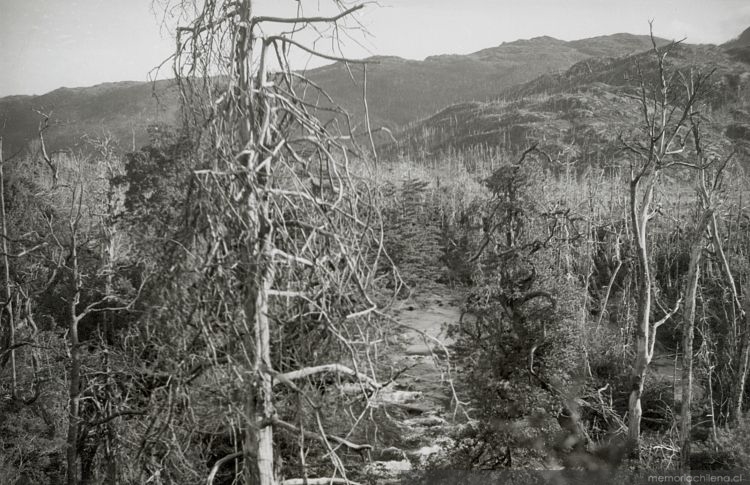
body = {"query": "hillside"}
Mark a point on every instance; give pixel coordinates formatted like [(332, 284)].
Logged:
[(399, 90), (586, 107), (124, 109), (742, 41)]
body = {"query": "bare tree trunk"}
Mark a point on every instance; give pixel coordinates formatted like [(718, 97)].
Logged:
[(639, 218), (108, 227), (74, 389), (105, 337), (719, 248), (645, 331), (259, 459), (611, 284), (265, 457), (738, 395), (259, 467), (662, 123), (6, 273), (744, 364), (696, 250), (252, 122)]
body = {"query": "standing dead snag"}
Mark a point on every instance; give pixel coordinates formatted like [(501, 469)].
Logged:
[(8, 295), (665, 115), (688, 327), (744, 364), (84, 226), (44, 126), (68, 237), (75, 344), (285, 240), (709, 182)]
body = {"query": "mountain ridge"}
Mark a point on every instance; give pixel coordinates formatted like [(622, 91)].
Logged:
[(587, 107), (400, 91)]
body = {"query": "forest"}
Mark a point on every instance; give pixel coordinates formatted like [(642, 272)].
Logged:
[(274, 291)]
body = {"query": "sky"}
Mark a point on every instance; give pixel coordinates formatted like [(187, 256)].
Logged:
[(47, 44)]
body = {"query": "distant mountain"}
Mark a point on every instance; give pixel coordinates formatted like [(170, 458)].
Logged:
[(585, 107), (124, 109), (399, 90)]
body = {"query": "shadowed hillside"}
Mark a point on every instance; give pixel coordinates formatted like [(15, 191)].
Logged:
[(586, 106), (742, 41), (124, 109), (399, 90)]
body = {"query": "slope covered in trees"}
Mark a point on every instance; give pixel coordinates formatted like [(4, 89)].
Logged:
[(579, 113), (399, 90)]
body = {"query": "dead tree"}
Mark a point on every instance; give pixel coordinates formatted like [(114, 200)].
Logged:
[(271, 248), (744, 364), (709, 176), (25, 250), (74, 234), (663, 134), (688, 327), (43, 127), (74, 387), (8, 294)]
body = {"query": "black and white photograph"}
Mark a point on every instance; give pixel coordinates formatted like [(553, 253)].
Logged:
[(374, 242)]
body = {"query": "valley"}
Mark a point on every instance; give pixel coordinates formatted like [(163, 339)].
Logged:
[(526, 264)]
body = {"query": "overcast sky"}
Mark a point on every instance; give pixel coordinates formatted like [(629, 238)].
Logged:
[(46, 44)]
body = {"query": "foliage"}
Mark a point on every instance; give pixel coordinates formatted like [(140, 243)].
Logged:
[(155, 179), (412, 230), (516, 342)]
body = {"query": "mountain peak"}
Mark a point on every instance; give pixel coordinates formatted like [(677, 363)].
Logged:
[(542, 39)]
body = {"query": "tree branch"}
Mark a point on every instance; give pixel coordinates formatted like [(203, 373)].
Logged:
[(318, 481), (116, 415), (287, 40), (309, 434), (333, 368), (218, 464), (307, 20), (655, 326)]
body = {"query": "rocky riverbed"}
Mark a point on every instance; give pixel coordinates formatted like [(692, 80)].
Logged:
[(426, 391)]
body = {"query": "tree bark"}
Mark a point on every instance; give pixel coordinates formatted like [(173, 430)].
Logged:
[(738, 394), (74, 389), (254, 120), (688, 328), (639, 220), (744, 365), (6, 273), (259, 453), (264, 407), (105, 336)]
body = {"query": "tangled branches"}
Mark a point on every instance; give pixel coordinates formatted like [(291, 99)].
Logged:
[(277, 287)]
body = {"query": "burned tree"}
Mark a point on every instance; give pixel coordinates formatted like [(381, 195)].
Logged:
[(8, 343), (665, 108), (280, 263), (709, 182)]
